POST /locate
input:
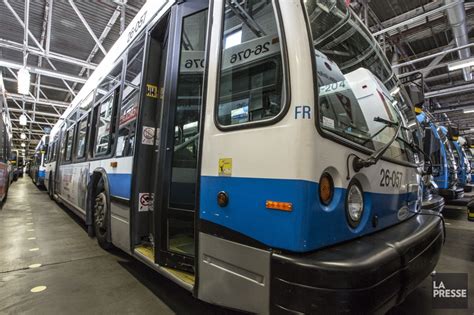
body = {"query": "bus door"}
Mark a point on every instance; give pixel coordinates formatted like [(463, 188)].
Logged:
[(175, 203)]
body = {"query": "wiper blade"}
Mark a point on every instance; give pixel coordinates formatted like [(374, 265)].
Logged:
[(388, 123), (359, 163)]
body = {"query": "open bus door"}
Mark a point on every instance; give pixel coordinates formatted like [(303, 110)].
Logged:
[(166, 166), (176, 189)]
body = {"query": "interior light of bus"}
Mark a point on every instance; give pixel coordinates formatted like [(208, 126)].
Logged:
[(277, 205)]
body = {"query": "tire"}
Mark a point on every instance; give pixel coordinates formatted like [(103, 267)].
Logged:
[(101, 223)]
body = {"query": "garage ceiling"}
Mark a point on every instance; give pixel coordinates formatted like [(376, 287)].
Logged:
[(62, 52)]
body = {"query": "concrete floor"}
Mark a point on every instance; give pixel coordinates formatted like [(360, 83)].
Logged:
[(81, 278)]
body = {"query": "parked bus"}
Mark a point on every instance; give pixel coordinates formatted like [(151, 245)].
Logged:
[(241, 160), (463, 168), (37, 164), (6, 174), (444, 165), (470, 158), (17, 164)]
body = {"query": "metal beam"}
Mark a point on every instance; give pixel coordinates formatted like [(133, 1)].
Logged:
[(83, 20), (42, 71), (48, 26), (102, 37), (8, 44), (43, 86), (19, 97), (19, 130), (39, 113), (36, 122)]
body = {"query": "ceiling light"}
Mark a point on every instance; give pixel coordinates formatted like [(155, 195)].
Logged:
[(23, 81), (467, 111), (23, 144), (23, 120), (461, 64), (22, 135)]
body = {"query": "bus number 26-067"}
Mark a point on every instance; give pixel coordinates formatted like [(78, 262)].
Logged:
[(390, 178)]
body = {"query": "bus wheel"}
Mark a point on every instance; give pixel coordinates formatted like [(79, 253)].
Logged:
[(101, 220)]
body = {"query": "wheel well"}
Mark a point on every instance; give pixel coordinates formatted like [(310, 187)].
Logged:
[(98, 182)]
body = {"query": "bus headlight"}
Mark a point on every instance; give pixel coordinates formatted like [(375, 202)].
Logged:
[(354, 204)]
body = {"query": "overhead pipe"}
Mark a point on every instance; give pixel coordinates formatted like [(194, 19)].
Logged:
[(441, 53), (450, 91), (421, 17), (457, 20)]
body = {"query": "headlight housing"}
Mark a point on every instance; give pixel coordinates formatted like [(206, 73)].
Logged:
[(354, 204)]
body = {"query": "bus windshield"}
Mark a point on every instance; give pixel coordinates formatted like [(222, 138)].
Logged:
[(354, 81)]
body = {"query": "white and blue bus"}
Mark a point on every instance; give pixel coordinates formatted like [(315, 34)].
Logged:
[(37, 162), (251, 151)]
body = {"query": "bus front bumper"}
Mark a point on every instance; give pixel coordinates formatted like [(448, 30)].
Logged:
[(366, 275), (435, 203), (452, 193)]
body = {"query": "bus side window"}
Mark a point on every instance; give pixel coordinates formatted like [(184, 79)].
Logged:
[(62, 146), (70, 137), (104, 134), (130, 100), (251, 74), (81, 138)]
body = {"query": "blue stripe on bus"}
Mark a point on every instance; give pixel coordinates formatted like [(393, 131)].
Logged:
[(120, 185), (309, 226)]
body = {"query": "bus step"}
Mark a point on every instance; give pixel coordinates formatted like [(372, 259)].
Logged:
[(146, 252)]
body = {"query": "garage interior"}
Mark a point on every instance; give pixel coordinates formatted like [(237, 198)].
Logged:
[(48, 262)]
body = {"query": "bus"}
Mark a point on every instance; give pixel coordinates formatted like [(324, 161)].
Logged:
[(229, 145), (6, 167), (470, 158), (17, 162), (460, 154), (444, 165), (37, 164)]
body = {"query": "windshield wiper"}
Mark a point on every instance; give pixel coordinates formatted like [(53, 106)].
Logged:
[(359, 163), (386, 122)]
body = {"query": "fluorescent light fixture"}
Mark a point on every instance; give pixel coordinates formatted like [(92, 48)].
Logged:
[(469, 110), (22, 136), (23, 120), (23, 144), (395, 91), (461, 64), (24, 81)]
